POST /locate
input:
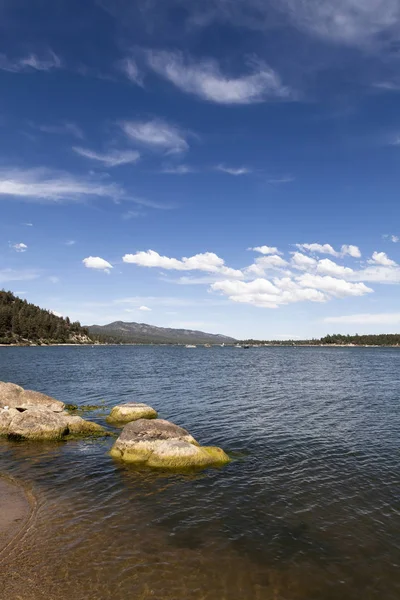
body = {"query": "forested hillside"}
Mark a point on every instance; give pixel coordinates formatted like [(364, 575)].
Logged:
[(22, 322)]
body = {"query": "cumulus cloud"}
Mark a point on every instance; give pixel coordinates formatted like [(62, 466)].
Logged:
[(95, 262), (367, 319), (233, 171), (318, 248), (208, 261), (338, 288), (205, 80), (353, 251), (114, 158), (302, 262), (378, 274), (381, 258), (21, 247), (266, 250), (31, 62), (265, 263), (156, 134), (328, 267), (395, 238), (145, 308)]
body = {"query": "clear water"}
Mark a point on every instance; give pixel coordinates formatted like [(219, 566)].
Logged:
[(308, 509)]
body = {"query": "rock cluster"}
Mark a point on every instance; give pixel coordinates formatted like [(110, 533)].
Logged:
[(28, 415)]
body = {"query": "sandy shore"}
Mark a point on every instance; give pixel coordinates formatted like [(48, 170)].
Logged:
[(15, 510)]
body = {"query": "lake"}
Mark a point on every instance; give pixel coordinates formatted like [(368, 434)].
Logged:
[(309, 508)]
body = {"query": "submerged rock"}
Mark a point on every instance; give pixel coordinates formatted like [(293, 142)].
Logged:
[(131, 411), (14, 396), (162, 444)]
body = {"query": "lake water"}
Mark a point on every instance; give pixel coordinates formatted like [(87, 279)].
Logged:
[(307, 510)]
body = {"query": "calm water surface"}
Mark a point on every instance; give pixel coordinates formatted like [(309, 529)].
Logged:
[(308, 509)]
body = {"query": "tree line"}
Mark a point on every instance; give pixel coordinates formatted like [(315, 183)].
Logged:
[(22, 322), (338, 339)]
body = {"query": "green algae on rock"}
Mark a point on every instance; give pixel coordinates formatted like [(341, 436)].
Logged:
[(161, 444), (131, 411)]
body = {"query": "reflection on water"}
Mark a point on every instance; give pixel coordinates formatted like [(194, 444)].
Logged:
[(308, 510)]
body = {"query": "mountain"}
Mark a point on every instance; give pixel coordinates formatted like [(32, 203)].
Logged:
[(24, 323), (141, 333)]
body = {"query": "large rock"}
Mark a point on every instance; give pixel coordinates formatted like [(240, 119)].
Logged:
[(14, 396), (38, 424), (131, 411), (162, 444), (78, 426), (6, 416)]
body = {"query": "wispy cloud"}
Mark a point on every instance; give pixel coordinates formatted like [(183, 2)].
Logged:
[(178, 170), (44, 185), (233, 171), (64, 129), (367, 319), (70, 243), (7, 275), (204, 79), (114, 158), (129, 67), (156, 134), (32, 62), (281, 180)]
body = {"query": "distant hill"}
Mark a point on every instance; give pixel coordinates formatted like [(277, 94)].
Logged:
[(140, 333), (24, 323)]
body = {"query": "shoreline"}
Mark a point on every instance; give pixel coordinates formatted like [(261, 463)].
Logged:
[(17, 508)]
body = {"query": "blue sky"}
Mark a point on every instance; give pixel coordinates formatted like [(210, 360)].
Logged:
[(225, 165)]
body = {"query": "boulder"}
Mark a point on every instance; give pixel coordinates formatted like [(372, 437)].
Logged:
[(131, 411), (78, 426), (38, 424), (14, 396), (163, 444), (6, 416)]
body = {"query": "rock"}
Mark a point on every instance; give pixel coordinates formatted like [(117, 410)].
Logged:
[(15, 396), (162, 444), (6, 416), (38, 424), (78, 426), (131, 411)]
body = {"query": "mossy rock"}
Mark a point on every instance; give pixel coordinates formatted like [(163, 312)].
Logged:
[(131, 411), (160, 444)]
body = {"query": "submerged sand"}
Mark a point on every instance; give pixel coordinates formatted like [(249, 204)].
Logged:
[(15, 510)]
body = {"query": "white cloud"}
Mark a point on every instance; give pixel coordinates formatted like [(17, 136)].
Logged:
[(233, 171), (352, 251), (381, 258), (111, 159), (331, 285), (21, 247), (265, 294), (318, 248), (367, 319), (144, 308), (208, 261), (157, 134), (55, 313), (49, 186), (205, 79), (302, 262), (395, 238), (64, 129), (30, 62), (266, 250), (378, 274), (265, 263), (95, 262), (328, 267), (280, 180), (70, 242), (129, 67)]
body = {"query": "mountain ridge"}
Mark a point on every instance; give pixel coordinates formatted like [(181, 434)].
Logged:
[(142, 333)]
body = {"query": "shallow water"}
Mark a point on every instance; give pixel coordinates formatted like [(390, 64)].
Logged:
[(307, 510)]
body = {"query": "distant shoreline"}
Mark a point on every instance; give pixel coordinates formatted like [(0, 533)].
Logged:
[(201, 345)]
